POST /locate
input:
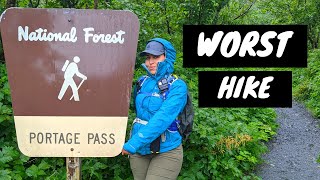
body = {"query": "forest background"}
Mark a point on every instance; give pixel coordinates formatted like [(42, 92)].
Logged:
[(227, 143)]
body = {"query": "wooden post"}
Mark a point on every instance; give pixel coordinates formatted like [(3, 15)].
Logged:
[(73, 168)]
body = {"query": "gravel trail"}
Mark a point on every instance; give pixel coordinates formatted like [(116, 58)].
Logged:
[(295, 148)]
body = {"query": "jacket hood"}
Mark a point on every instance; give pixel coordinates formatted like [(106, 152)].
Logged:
[(165, 67)]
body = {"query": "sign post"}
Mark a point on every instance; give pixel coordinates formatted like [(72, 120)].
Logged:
[(70, 72), (73, 165)]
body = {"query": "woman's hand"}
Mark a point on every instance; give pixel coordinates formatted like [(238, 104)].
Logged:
[(124, 152)]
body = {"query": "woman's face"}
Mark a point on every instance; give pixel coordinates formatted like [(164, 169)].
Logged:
[(152, 62)]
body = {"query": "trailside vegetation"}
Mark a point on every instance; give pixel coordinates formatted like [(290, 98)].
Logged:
[(226, 143)]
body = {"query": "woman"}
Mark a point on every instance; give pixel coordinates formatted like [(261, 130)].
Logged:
[(155, 146)]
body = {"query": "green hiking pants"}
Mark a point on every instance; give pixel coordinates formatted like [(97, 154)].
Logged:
[(157, 166)]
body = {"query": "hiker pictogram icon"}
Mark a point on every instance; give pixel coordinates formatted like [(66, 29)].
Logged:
[(71, 70)]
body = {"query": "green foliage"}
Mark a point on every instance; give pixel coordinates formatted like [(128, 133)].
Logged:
[(9, 154), (106, 168), (226, 143), (276, 12), (38, 171), (306, 83)]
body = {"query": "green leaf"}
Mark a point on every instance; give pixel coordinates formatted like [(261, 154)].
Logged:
[(5, 175), (99, 165), (1, 97), (6, 155), (32, 171), (16, 177), (44, 165), (200, 175), (24, 158)]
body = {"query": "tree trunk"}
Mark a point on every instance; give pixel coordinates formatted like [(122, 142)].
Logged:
[(11, 3), (199, 13), (32, 5), (167, 20), (96, 4)]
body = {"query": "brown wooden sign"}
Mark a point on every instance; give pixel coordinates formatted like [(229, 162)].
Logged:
[(70, 73)]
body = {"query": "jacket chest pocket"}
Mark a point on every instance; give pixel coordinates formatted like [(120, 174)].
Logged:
[(149, 103)]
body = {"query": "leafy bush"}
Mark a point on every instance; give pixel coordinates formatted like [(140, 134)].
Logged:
[(306, 83), (225, 144)]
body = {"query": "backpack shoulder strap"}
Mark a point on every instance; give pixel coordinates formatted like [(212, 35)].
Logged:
[(142, 79), (172, 78), (169, 80), (137, 88), (140, 82)]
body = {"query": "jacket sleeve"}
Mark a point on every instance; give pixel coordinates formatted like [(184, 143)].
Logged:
[(162, 119)]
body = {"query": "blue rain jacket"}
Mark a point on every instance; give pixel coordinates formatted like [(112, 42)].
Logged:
[(159, 113)]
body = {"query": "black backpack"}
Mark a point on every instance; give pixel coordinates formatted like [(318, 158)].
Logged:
[(185, 117)]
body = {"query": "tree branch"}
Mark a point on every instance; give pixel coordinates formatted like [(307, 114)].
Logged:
[(167, 21), (246, 11)]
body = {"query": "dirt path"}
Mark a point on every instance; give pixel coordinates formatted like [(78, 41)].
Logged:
[(296, 147)]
